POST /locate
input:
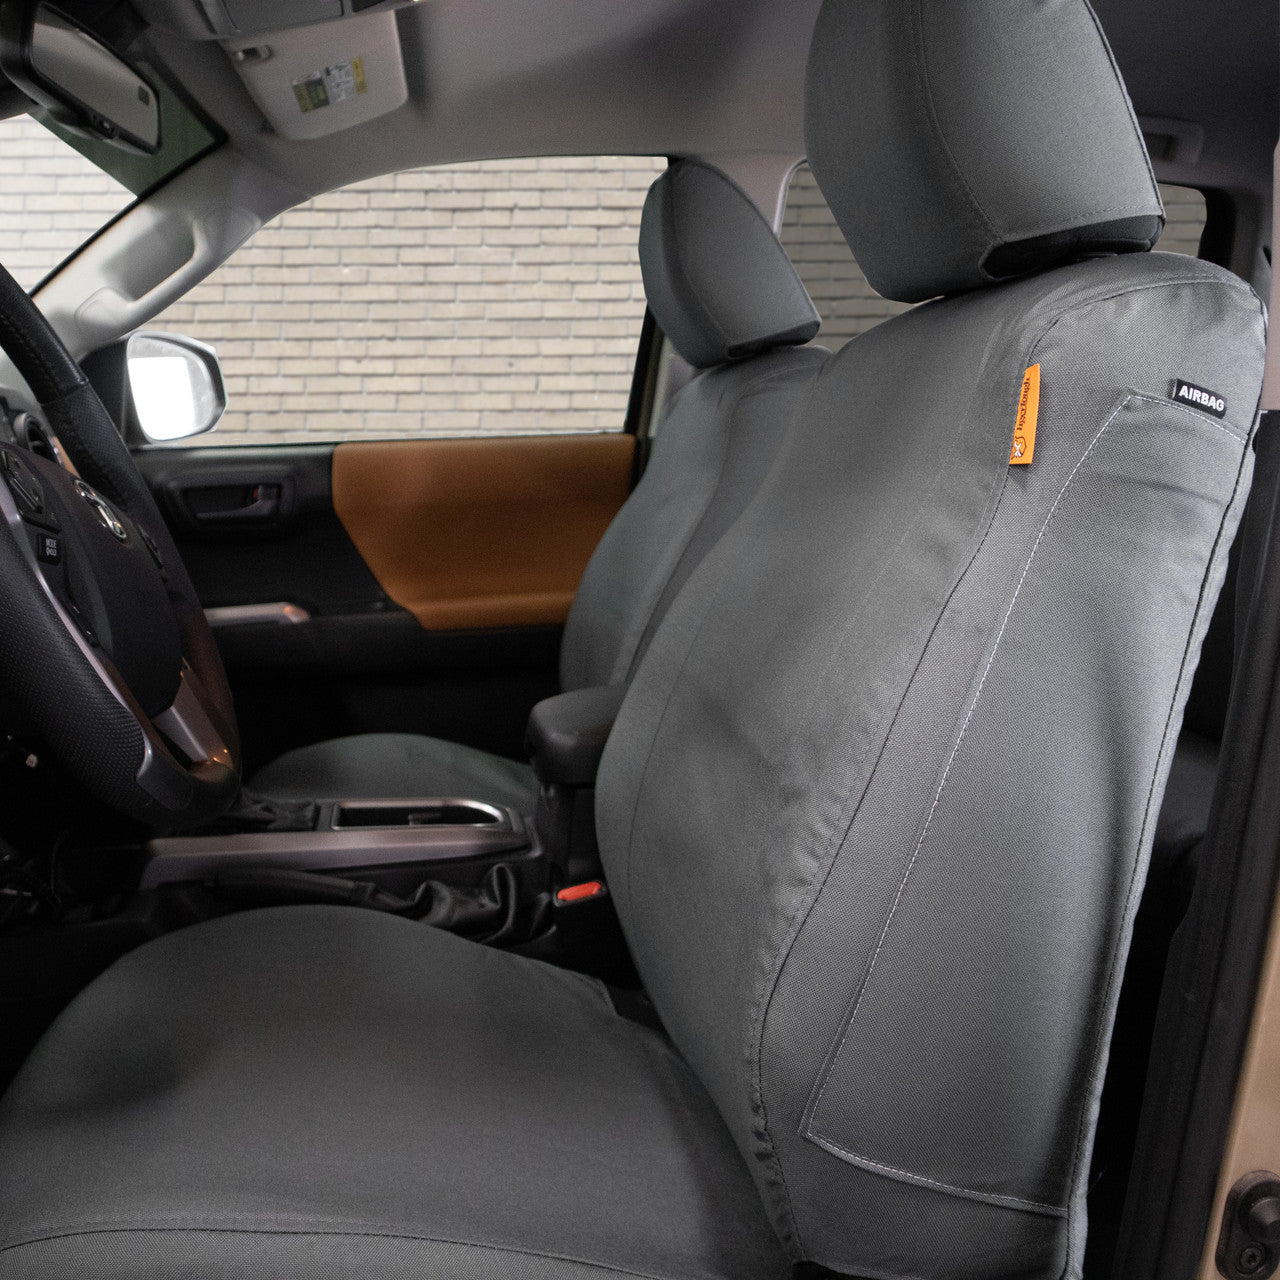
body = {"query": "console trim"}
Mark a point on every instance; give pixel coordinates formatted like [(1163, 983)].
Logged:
[(183, 859)]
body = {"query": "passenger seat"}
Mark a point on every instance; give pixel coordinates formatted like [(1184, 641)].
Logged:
[(724, 292)]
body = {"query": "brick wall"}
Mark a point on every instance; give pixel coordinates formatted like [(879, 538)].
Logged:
[(51, 199), (500, 297)]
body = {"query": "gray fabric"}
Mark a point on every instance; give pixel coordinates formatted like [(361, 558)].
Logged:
[(879, 803), (710, 454), (716, 279), (712, 450), (406, 766), (950, 138), (318, 1092)]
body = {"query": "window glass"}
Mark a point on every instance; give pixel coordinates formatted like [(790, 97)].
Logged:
[(58, 189), (501, 297), (1184, 219), (847, 303), (52, 199)]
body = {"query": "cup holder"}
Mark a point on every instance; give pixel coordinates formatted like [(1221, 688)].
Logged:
[(416, 814)]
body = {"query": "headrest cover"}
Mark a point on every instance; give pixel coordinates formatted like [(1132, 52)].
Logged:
[(961, 142), (718, 282)]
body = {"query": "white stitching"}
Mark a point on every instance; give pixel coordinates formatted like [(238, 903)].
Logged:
[(967, 1193), (57, 1236), (875, 956)]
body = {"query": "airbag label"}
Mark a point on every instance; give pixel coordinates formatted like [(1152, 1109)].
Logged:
[(1200, 398)]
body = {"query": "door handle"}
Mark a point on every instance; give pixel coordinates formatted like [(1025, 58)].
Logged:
[(263, 504), (231, 500), (230, 504)]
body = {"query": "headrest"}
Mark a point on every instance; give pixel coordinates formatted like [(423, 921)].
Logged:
[(718, 282), (961, 142)]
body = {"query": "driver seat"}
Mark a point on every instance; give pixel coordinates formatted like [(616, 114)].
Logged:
[(875, 814)]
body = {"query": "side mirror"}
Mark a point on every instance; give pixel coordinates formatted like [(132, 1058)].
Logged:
[(175, 385), (86, 86)]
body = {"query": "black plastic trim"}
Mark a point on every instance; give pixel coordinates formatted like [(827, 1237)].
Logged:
[(1206, 1007)]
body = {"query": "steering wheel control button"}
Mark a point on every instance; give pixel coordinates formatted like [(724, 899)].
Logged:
[(106, 517), (48, 548), (27, 491)]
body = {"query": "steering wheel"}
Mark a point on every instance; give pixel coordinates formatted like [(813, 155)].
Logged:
[(104, 646)]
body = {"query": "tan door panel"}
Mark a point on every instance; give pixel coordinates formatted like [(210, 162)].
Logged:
[(481, 532)]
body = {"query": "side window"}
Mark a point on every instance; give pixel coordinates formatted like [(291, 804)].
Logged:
[(847, 303), (501, 297), (1184, 219)]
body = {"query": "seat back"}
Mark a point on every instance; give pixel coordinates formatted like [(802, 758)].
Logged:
[(878, 806), (724, 292)]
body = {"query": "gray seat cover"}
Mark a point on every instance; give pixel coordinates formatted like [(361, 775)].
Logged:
[(311, 1092), (722, 288), (876, 814), (397, 765), (877, 810)]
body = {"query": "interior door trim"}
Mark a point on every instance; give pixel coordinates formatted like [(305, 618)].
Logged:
[(481, 532)]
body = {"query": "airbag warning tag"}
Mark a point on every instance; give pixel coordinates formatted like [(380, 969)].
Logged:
[(333, 84), (1199, 398)]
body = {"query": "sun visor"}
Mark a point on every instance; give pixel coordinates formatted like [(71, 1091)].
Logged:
[(316, 80)]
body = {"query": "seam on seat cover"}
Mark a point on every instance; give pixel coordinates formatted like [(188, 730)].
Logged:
[(926, 89), (761, 382), (1115, 71), (812, 1109), (809, 900), (675, 556), (997, 234), (905, 1175), (863, 1161), (53, 1236), (1102, 1043), (803, 909)]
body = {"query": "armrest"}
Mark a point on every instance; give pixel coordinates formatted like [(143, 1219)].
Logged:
[(567, 733)]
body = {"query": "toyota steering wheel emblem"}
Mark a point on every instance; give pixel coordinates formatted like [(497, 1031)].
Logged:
[(106, 517)]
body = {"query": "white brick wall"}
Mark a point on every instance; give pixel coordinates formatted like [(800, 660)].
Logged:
[(51, 200), (499, 297)]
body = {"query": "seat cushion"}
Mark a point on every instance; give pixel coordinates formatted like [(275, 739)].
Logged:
[(377, 766), (315, 1091)]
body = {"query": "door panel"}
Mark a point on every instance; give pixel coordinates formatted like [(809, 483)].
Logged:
[(477, 533), (357, 661)]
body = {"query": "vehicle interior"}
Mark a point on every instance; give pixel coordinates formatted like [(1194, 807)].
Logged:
[(639, 640)]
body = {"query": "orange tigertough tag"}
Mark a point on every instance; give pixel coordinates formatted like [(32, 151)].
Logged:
[(1024, 431)]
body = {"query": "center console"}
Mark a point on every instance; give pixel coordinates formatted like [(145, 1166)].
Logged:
[(434, 835), (460, 863)]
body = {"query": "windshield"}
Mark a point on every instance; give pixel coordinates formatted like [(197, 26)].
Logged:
[(59, 189)]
